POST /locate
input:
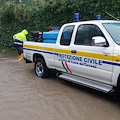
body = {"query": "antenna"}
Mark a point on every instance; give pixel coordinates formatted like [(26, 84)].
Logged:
[(113, 16)]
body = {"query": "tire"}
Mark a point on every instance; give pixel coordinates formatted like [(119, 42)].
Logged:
[(41, 69), (117, 91)]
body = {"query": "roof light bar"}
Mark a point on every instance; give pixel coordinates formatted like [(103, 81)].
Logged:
[(76, 17), (98, 17)]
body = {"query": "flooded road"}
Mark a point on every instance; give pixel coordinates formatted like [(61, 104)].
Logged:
[(24, 96)]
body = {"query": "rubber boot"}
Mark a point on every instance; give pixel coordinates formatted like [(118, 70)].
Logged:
[(19, 56)]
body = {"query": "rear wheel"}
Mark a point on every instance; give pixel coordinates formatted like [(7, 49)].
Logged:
[(41, 69)]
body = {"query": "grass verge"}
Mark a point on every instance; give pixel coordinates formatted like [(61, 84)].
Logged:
[(9, 51)]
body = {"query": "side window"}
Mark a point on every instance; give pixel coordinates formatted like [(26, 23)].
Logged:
[(66, 35), (85, 33)]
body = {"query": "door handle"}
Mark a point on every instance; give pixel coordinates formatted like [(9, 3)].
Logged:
[(73, 51)]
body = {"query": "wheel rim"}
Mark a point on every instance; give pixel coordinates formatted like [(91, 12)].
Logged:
[(39, 69)]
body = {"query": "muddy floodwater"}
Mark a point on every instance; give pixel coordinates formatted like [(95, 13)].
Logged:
[(24, 96)]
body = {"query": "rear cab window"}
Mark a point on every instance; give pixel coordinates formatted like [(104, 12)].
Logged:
[(66, 35)]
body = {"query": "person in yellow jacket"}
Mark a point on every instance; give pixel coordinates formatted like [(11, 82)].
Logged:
[(19, 38)]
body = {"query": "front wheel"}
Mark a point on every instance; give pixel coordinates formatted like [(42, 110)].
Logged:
[(41, 69)]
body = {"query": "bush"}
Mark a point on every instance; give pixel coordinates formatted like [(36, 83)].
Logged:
[(35, 15)]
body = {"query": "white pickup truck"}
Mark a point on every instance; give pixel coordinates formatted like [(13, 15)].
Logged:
[(87, 53)]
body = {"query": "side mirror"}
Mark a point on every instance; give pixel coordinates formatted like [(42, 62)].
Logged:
[(99, 41)]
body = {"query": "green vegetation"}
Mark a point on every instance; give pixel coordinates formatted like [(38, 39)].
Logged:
[(35, 15), (8, 51)]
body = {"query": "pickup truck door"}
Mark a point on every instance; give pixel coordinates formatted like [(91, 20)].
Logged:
[(93, 62), (62, 48)]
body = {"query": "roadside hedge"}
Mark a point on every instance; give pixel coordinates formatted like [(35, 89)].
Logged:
[(35, 15)]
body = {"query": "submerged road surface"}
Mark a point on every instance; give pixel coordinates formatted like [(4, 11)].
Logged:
[(24, 96)]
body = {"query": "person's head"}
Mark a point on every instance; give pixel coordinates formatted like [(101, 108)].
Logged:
[(50, 29), (25, 32)]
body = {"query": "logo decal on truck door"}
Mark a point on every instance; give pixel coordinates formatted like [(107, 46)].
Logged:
[(65, 66)]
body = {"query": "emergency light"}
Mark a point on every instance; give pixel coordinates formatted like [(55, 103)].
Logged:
[(76, 17), (98, 17)]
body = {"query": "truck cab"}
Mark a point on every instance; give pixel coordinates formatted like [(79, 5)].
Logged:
[(85, 52)]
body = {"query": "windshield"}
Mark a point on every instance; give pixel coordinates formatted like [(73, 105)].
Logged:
[(114, 31)]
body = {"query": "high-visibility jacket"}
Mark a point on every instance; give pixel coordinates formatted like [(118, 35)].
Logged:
[(19, 38)]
